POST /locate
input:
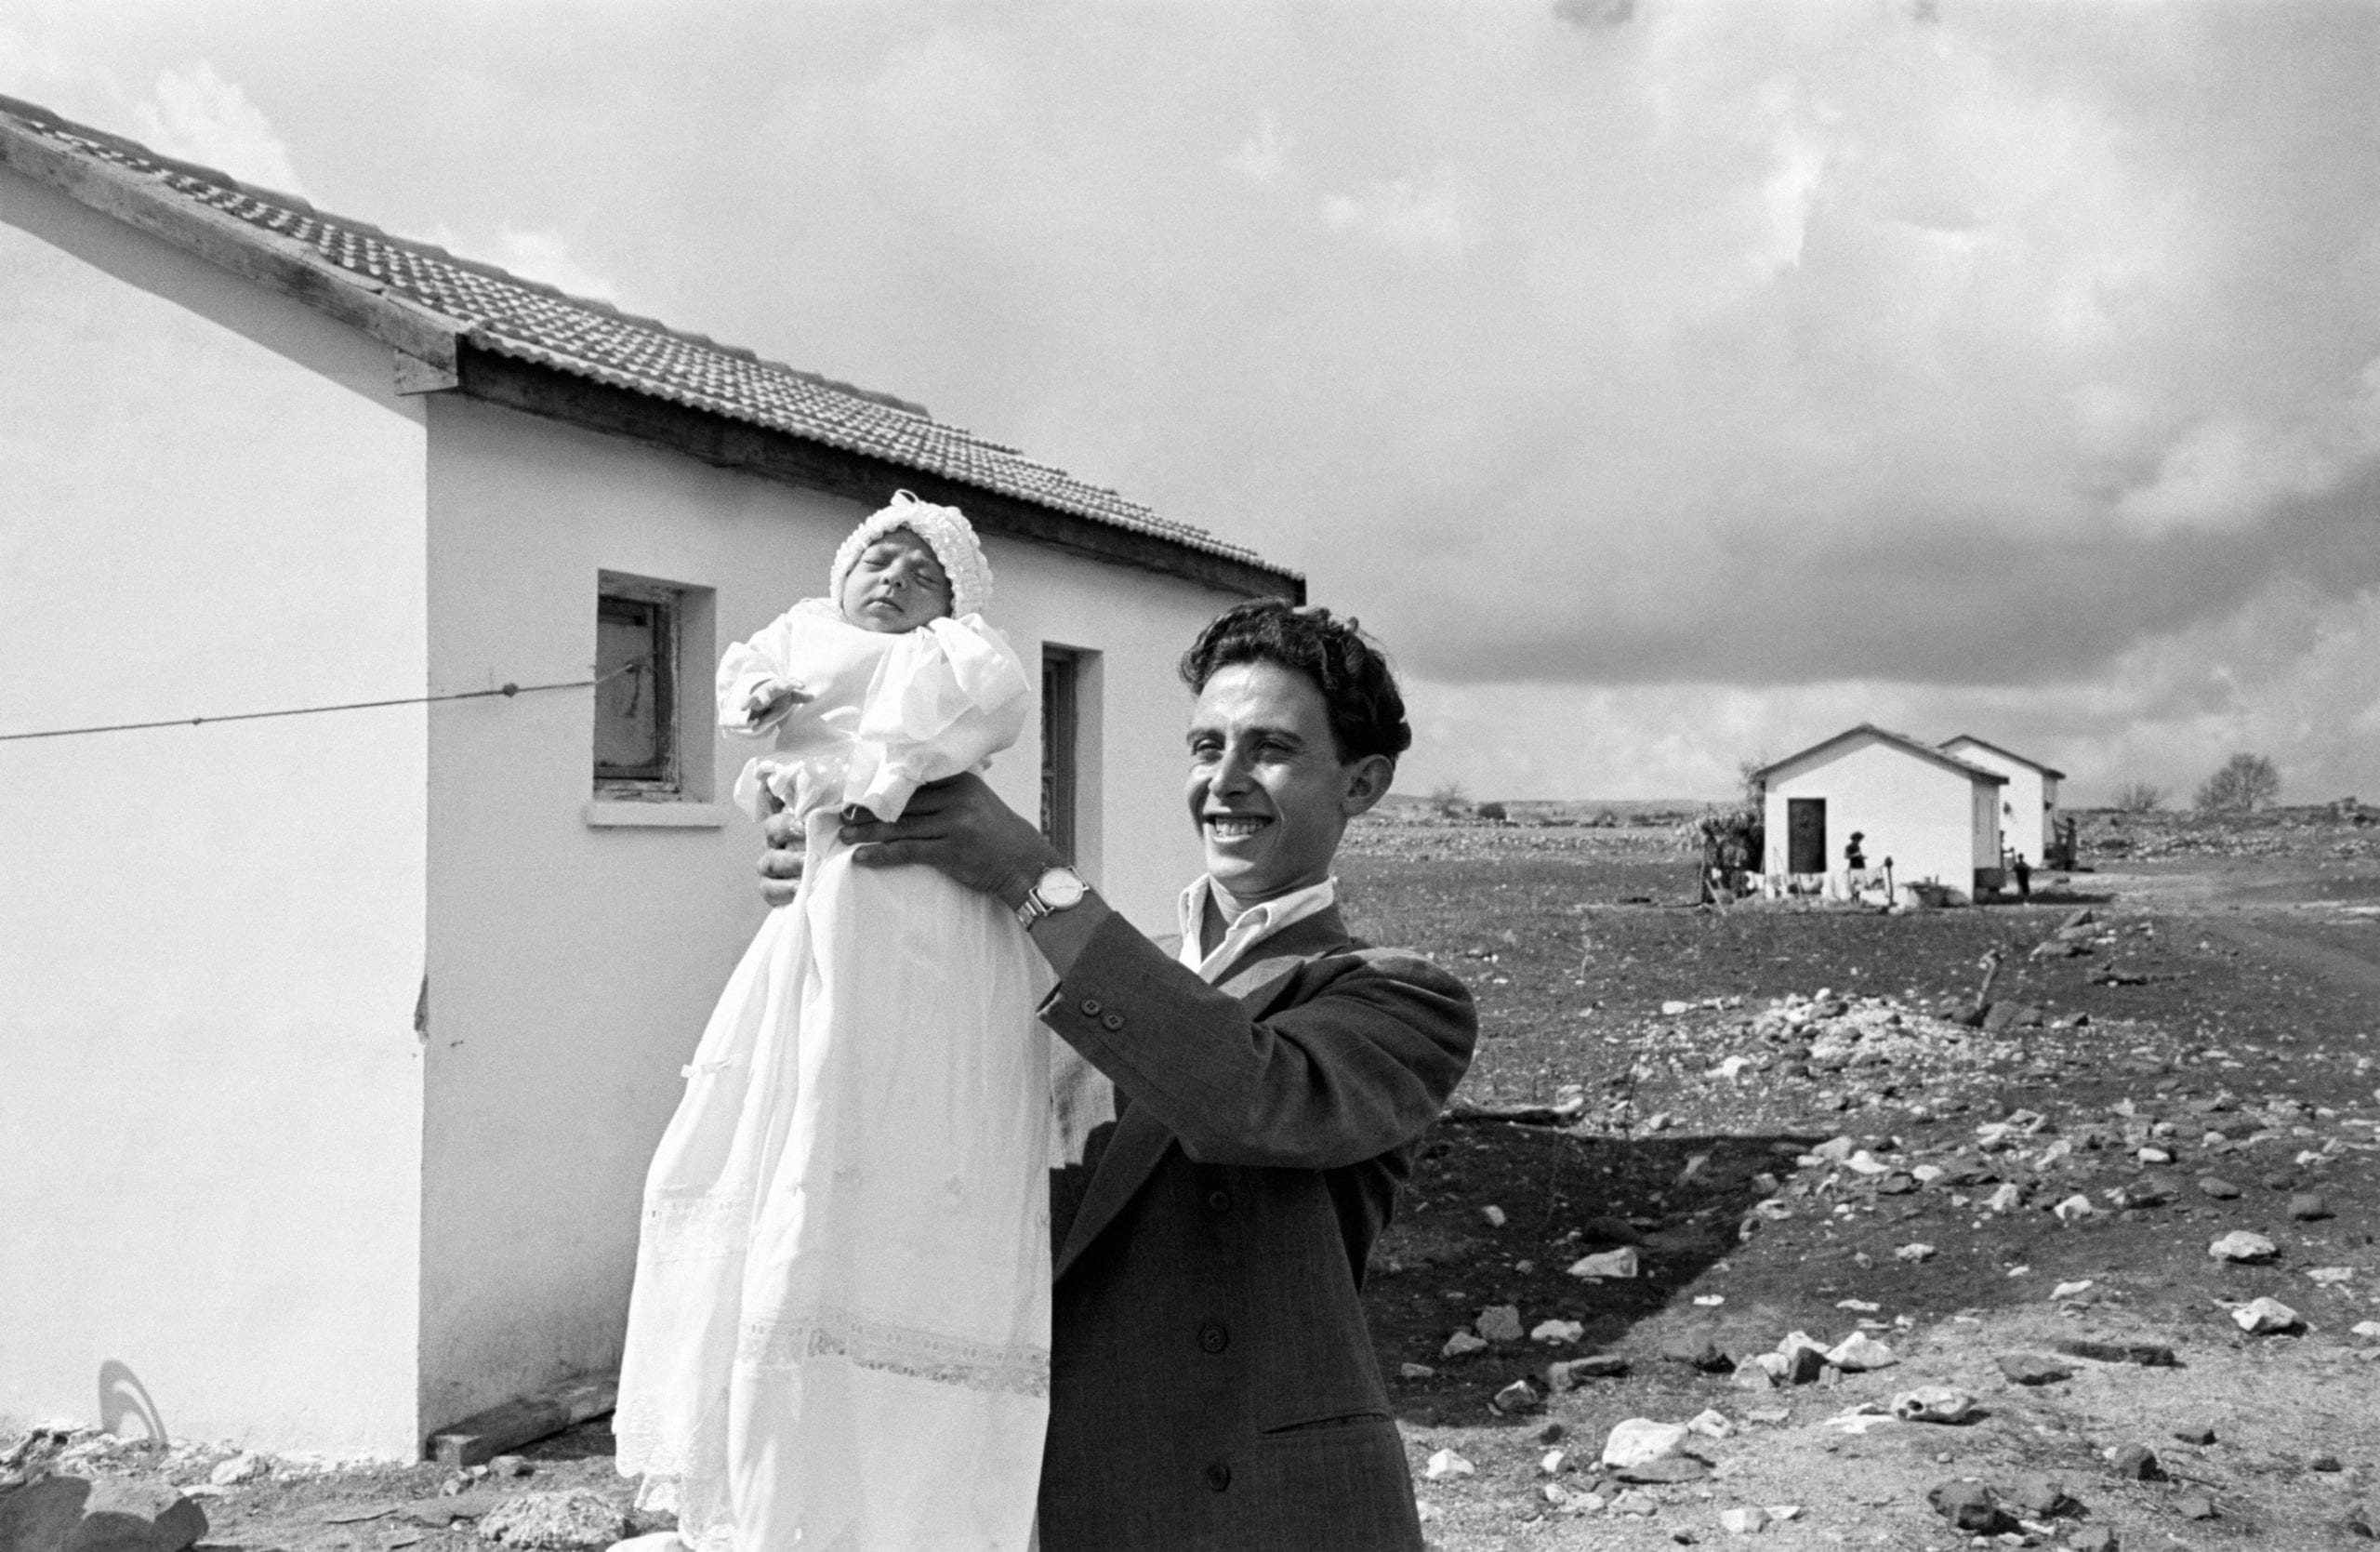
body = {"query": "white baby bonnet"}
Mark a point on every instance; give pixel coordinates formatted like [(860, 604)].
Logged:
[(945, 531)]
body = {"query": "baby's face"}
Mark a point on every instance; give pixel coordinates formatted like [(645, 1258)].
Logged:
[(895, 584)]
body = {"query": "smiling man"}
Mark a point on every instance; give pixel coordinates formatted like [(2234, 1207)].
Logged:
[(1238, 1117)]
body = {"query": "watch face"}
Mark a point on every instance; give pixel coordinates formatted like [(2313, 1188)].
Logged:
[(1060, 888)]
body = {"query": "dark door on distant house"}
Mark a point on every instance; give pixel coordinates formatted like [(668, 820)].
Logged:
[(1805, 835)]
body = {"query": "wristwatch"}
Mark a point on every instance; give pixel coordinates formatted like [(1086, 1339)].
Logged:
[(1057, 889)]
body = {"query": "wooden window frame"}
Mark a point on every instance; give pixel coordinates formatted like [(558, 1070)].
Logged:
[(665, 779)]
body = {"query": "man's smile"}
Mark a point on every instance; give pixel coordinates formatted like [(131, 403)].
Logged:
[(1235, 827)]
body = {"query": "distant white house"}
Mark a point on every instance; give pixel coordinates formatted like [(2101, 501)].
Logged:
[(2028, 806), (333, 1046), (1934, 815)]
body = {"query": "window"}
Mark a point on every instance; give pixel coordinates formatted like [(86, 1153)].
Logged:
[(1060, 746), (636, 692), (653, 748)]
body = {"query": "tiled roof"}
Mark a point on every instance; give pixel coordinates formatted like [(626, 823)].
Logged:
[(504, 313)]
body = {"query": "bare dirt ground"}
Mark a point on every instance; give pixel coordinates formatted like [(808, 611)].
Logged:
[(1774, 1109)]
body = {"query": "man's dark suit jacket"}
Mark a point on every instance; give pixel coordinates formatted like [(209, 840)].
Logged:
[(1212, 1383)]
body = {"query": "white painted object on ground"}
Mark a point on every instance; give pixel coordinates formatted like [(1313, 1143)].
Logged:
[(1933, 1403), (1444, 1463)]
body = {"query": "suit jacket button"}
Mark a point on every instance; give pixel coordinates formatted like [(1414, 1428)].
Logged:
[(1219, 1201), (1213, 1337), (1112, 1023), (1090, 1006), (1218, 1475)]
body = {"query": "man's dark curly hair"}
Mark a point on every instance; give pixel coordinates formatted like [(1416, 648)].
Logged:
[(1358, 688)]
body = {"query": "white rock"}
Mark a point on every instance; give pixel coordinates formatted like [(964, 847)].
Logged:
[(1784, 1511), (1914, 1251), (1621, 1263), (2368, 1330), (1640, 1439), (576, 1519), (2263, 1315), (1462, 1342), (1744, 1522), (1710, 1301), (1415, 1371), (1864, 1306), (1672, 1008), (1556, 1331), (2241, 1245), (1933, 1403), (246, 1467), (1834, 1151), (1865, 1162), (1551, 1462), (1860, 1419), (1928, 1174), (1858, 1353), (1500, 1322), (2068, 1290), (2074, 1209), (2330, 1277), (1444, 1463), (2005, 1198), (2154, 1156), (1494, 1214), (1710, 1425)]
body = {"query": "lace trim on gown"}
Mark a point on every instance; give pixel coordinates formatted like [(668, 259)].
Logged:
[(779, 1344)]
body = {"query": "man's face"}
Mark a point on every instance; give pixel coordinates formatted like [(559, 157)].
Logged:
[(895, 584), (1266, 789)]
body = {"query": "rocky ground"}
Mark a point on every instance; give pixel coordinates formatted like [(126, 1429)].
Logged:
[(1783, 1245)]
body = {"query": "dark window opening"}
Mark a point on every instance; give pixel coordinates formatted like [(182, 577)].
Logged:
[(1061, 727), (636, 692)]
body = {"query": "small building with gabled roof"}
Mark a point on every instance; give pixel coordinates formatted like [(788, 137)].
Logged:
[(368, 872), (2028, 805), (1936, 816)]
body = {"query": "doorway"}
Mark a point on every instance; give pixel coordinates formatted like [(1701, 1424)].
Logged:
[(1805, 835)]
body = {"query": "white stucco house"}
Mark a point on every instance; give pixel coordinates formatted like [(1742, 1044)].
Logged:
[(336, 1029), (2028, 805), (1936, 816)]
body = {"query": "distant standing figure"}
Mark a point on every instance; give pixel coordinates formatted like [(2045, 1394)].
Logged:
[(2024, 871), (1853, 857)]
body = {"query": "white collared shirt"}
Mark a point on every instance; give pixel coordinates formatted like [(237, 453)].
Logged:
[(1256, 923)]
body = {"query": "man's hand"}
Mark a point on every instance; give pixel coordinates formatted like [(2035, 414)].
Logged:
[(959, 828), (781, 864)]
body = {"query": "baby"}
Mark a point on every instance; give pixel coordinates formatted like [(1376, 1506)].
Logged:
[(838, 1334)]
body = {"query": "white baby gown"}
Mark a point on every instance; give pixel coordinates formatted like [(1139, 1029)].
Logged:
[(839, 1332)]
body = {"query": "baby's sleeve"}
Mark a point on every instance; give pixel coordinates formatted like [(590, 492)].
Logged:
[(750, 664), (950, 698)]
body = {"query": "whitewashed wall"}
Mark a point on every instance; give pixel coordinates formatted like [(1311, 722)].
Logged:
[(572, 966), (2028, 803), (1923, 815), (210, 938)]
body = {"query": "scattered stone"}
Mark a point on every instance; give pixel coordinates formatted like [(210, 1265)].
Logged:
[(1556, 1331), (1699, 1352), (2308, 1206), (2071, 1290), (1445, 1463), (2149, 1355), (111, 1513), (2325, 1462), (1516, 1399), (1621, 1263), (1461, 1344), (1414, 1371), (1639, 1441), (2093, 1538), (2153, 1155), (1636, 1501), (2042, 1497), (1569, 1376), (2368, 1330), (2195, 1433), (1914, 1252), (2330, 1277), (2033, 1368), (1756, 1373), (246, 1467), (1495, 1216), (2005, 1198), (2262, 1317), (2219, 1188), (2241, 1245), (573, 1520), (1970, 1507), (1933, 1403), (1553, 1433), (510, 1466), (1746, 1520), (1665, 1469), (2138, 1462), (2193, 1505), (1499, 1323), (1860, 1352), (444, 1510), (2360, 1521), (1710, 1425), (1550, 1463)]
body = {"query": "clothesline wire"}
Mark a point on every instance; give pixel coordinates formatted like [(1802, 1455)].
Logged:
[(506, 690)]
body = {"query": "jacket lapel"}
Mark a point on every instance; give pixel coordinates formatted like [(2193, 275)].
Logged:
[(1258, 980)]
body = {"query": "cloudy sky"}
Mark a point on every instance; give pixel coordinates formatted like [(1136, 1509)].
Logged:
[(1666, 382)]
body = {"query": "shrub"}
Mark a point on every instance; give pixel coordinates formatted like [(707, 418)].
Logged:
[(2139, 797), (1490, 811), (1447, 800), (2246, 783)]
